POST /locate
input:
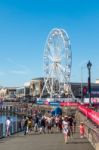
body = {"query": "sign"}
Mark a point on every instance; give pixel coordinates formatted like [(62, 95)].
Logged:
[(40, 102), (54, 103)]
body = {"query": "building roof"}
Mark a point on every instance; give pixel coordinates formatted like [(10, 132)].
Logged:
[(39, 78), (85, 83)]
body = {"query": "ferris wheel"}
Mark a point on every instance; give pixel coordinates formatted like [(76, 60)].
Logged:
[(57, 62)]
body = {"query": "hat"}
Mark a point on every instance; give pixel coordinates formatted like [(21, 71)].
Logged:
[(65, 116)]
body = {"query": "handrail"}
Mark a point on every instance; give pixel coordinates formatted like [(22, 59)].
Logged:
[(14, 128), (92, 133)]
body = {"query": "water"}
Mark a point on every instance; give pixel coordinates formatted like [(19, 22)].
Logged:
[(13, 118)]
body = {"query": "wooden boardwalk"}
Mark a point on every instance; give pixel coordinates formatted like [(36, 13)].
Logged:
[(44, 142)]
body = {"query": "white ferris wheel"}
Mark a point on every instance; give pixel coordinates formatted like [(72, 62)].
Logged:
[(57, 62)]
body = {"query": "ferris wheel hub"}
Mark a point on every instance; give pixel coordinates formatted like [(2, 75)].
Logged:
[(57, 60)]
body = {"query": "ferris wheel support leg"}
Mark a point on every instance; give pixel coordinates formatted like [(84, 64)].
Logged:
[(42, 91), (73, 97), (43, 88)]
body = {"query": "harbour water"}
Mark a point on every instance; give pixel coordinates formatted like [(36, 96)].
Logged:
[(14, 123), (13, 118)]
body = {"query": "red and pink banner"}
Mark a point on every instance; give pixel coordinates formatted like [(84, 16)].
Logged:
[(69, 104), (91, 114)]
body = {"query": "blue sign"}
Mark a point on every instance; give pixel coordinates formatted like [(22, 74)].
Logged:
[(40, 102), (54, 103)]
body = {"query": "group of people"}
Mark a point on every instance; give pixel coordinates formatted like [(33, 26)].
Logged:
[(42, 124), (69, 127), (49, 124)]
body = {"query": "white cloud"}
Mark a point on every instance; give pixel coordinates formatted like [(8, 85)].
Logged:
[(16, 64), (20, 68), (19, 72)]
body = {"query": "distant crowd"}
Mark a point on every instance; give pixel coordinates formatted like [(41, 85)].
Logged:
[(48, 123)]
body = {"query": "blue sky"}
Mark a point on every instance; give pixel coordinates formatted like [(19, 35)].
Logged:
[(25, 25)]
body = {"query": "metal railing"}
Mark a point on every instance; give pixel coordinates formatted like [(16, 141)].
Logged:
[(14, 128), (91, 131), (92, 135)]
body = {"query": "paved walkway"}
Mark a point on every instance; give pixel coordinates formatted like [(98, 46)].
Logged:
[(44, 142)]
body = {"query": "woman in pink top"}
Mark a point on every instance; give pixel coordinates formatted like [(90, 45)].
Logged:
[(82, 130)]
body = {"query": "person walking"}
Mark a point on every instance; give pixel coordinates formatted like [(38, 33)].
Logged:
[(65, 128), (42, 125), (25, 125), (70, 120), (8, 125), (82, 130), (29, 124), (36, 121), (74, 124)]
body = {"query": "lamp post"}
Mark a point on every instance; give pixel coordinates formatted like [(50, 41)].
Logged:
[(82, 84), (89, 64), (82, 68)]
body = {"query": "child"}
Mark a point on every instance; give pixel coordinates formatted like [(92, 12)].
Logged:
[(82, 130)]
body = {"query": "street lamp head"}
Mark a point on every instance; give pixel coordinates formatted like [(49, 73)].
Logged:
[(89, 64)]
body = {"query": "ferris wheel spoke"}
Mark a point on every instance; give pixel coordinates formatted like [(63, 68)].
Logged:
[(47, 82), (48, 68), (61, 67), (49, 51), (50, 57), (67, 75), (63, 56)]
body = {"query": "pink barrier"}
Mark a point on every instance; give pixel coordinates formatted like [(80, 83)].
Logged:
[(69, 104), (94, 116)]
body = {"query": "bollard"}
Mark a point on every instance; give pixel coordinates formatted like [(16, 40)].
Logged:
[(1, 130), (18, 126), (14, 127)]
